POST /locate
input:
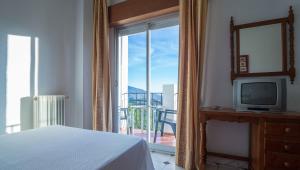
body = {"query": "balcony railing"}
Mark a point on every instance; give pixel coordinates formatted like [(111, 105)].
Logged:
[(140, 99), (136, 104), (136, 121)]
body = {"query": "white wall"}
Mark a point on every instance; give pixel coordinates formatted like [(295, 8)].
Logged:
[(64, 29), (232, 138)]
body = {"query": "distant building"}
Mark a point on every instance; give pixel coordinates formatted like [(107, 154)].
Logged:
[(169, 98)]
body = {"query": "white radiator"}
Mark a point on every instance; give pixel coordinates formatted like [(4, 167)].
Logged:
[(48, 110)]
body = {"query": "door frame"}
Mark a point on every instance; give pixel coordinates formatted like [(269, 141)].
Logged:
[(146, 26)]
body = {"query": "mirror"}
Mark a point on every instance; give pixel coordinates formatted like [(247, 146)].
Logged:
[(261, 48)]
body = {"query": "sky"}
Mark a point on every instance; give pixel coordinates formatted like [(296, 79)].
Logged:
[(164, 58)]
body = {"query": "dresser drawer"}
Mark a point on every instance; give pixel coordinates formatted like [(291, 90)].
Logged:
[(282, 146), (283, 129), (282, 161)]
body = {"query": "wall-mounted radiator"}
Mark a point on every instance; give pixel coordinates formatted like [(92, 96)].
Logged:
[(48, 110)]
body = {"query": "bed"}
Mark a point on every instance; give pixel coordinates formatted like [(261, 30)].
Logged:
[(65, 148)]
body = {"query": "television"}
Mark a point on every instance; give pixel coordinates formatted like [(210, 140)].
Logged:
[(260, 94)]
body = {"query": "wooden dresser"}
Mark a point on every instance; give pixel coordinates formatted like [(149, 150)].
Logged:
[(274, 138)]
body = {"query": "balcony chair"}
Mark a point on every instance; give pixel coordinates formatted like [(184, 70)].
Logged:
[(124, 115), (163, 121)]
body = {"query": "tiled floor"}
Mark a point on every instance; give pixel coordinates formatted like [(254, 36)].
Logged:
[(167, 162), (164, 162), (168, 138)]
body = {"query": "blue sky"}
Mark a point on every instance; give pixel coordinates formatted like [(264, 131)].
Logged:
[(164, 58)]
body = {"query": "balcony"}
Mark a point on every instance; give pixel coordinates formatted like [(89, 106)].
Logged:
[(133, 118)]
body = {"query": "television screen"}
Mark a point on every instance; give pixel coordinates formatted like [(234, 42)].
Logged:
[(259, 93)]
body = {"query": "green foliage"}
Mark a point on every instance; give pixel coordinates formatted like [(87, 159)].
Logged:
[(137, 117)]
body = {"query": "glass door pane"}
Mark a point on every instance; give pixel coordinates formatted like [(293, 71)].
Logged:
[(132, 84), (164, 79)]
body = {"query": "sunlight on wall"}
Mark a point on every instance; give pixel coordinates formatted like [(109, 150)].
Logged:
[(36, 66), (18, 78)]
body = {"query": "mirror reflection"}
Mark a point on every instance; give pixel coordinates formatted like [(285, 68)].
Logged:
[(262, 47)]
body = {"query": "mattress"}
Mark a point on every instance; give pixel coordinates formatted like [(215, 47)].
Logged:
[(65, 148)]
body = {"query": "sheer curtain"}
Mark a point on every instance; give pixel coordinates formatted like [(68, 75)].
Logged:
[(193, 16), (101, 76)]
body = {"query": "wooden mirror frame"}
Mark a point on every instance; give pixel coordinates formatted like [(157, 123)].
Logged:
[(291, 71)]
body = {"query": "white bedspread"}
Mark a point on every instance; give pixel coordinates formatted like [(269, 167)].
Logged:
[(64, 148)]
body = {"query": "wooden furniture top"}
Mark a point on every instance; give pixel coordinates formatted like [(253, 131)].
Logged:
[(212, 113)]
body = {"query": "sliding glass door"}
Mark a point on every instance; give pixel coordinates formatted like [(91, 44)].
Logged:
[(164, 79), (132, 84), (148, 77)]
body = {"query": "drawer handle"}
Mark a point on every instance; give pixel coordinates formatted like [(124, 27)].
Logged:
[(287, 130), (286, 147), (286, 164)]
